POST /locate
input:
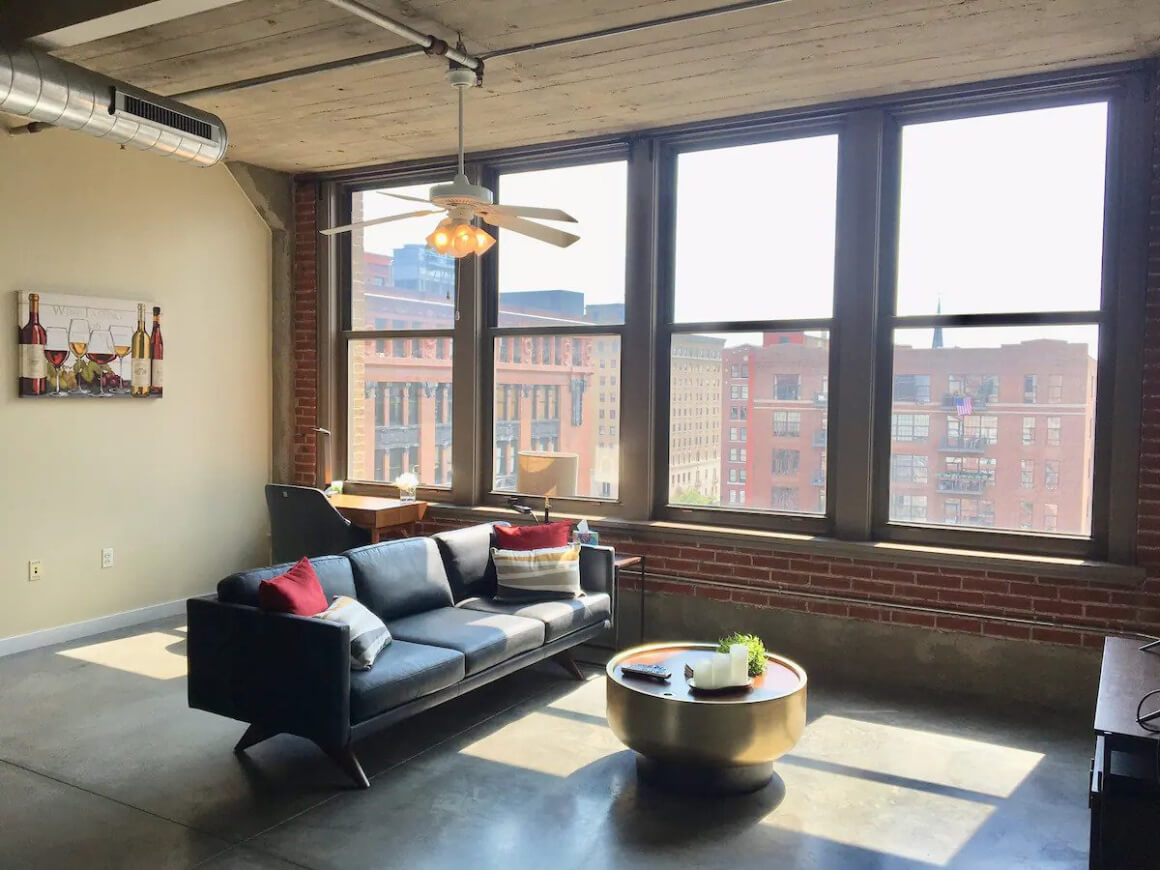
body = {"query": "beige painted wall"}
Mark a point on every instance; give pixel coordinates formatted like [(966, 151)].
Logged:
[(175, 485)]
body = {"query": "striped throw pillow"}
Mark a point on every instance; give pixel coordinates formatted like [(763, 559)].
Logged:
[(368, 635), (537, 575)]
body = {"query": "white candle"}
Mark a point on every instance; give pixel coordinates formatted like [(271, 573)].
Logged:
[(704, 673), (739, 658), (722, 670)]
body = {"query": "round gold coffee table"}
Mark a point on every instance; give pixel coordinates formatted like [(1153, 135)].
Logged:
[(708, 743)]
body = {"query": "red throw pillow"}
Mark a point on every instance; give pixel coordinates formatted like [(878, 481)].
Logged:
[(533, 537), (297, 591)]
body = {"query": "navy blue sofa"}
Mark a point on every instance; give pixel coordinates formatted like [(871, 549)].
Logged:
[(286, 674)]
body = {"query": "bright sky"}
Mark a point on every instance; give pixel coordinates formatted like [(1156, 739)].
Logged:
[(998, 213)]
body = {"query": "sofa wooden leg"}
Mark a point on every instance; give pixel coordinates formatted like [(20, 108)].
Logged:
[(568, 663), (254, 734), (345, 758)]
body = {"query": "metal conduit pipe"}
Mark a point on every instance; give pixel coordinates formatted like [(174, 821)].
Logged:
[(430, 44), (914, 608), (391, 54)]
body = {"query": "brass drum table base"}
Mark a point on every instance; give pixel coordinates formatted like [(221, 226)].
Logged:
[(703, 779), (705, 743)]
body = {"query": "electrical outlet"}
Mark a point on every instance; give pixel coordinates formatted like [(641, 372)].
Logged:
[(107, 557), (35, 571)]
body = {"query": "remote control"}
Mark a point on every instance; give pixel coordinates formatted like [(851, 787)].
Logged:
[(651, 672)]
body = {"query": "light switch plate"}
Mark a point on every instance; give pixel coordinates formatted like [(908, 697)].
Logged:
[(35, 570)]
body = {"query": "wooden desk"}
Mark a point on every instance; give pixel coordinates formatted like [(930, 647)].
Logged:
[(379, 515)]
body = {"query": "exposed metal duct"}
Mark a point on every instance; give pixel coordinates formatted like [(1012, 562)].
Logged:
[(44, 89)]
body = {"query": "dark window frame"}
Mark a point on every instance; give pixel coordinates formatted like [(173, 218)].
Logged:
[(859, 420)]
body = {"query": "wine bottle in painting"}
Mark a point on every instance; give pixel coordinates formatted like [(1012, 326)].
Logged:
[(140, 356), (157, 355), (33, 365)]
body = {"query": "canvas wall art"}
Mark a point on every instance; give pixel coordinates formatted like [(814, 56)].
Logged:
[(81, 347)]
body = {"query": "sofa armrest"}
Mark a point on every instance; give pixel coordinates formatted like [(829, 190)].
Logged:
[(286, 673), (597, 573)]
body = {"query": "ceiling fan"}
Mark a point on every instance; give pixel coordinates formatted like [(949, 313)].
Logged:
[(461, 200)]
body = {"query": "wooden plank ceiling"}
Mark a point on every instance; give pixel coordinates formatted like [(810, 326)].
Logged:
[(791, 54)]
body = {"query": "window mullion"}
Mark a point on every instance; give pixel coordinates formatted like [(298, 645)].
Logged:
[(855, 357), (470, 378)]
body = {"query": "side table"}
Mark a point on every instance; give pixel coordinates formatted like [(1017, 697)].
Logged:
[(623, 563)]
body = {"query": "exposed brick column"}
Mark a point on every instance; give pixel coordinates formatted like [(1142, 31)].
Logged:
[(1148, 524), (305, 316)]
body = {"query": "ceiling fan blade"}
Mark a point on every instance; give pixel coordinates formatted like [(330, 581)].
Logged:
[(529, 211), (403, 196), (551, 235), (346, 228)]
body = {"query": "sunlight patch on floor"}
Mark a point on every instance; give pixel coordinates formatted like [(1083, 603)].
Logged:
[(549, 744), (588, 699), (925, 756), (148, 655), (890, 819)]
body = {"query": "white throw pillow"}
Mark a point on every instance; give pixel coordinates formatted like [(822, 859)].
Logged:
[(368, 634), (537, 575)]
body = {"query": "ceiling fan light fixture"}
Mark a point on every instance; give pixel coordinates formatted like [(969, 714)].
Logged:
[(459, 238)]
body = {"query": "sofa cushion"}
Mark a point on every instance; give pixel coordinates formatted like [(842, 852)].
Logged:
[(398, 578), (537, 575), (402, 672), (537, 537), (297, 591), (485, 639), (368, 635), (559, 617), (467, 559), (333, 574)]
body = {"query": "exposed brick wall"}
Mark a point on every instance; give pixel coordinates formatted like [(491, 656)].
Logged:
[(305, 314), (877, 591)]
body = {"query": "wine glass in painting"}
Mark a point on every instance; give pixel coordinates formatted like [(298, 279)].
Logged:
[(101, 352), (56, 351), (122, 341), (78, 343)]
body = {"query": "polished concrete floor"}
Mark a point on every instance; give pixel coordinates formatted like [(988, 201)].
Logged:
[(102, 765)]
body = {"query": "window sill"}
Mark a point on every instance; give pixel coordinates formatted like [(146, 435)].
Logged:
[(815, 545)]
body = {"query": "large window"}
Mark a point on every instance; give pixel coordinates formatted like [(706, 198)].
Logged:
[(903, 323), (557, 343), (398, 405), (775, 379), (399, 413), (1001, 223)]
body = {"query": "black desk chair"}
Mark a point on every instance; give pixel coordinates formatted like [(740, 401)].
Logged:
[(303, 522)]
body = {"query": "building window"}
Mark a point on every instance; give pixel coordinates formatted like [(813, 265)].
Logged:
[(909, 427), (787, 424), (569, 379), (1006, 172), (783, 498), (1053, 431), (907, 508), (912, 388), (782, 361), (1026, 475), (786, 387), (1050, 517), (785, 462), (1026, 514), (1051, 474), (1030, 389), (908, 468)]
